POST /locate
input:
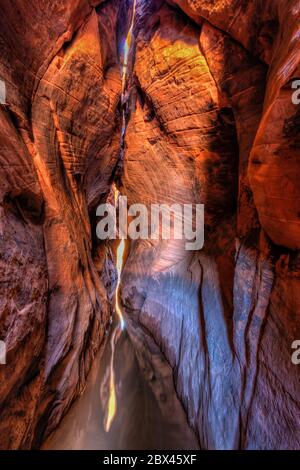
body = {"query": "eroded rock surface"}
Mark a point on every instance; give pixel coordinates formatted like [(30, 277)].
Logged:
[(268, 30), (59, 146), (210, 120), (206, 124)]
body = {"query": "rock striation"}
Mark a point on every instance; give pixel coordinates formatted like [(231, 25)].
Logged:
[(209, 119), (59, 145), (214, 123)]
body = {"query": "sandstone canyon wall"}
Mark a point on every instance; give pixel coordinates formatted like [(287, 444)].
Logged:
[(59, 145), (209, 120)]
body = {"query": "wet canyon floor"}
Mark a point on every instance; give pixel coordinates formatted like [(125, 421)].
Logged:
[(140, 423)]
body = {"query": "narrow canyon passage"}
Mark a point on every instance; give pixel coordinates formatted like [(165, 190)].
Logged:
[(142, 421), (144, 342), (128, 403)]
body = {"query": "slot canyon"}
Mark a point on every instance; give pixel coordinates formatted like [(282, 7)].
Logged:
[(141, 343)]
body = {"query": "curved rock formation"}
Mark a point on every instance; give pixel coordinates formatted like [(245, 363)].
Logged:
[(199, 121), (59, 147), (268, 30), (210, 119)]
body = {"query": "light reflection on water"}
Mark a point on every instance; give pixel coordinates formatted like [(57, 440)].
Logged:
[(139, 423)]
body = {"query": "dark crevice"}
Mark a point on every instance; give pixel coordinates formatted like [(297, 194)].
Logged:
[(26, 207)]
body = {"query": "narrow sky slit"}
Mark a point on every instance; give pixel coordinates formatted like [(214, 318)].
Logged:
[(112, 399), (127, 47)]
